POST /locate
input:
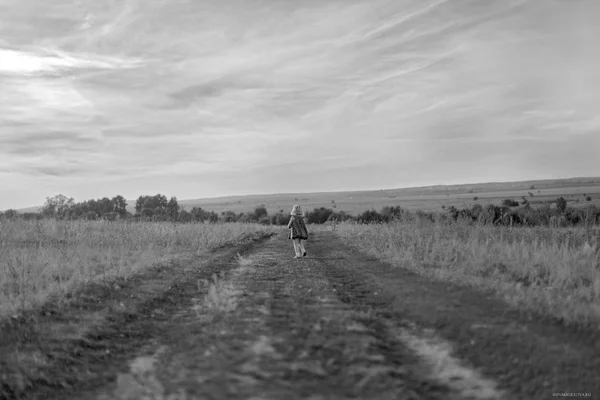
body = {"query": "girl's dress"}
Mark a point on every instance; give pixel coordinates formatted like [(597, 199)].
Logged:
[(297, 228)]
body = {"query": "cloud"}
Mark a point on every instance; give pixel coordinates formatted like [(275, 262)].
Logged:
[(211, 98), (52, 61)]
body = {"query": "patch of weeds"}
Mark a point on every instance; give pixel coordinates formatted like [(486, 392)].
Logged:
[(221, 297), (245, 261)]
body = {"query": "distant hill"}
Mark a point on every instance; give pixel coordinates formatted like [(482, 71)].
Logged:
[(426, 198)]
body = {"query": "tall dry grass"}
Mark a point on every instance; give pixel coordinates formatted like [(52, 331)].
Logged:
[(43, 258), (555, 271)]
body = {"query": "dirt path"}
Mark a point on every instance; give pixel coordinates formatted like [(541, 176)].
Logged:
[(335, 325)]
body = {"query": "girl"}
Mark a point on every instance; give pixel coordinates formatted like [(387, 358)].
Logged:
[(298, 231)]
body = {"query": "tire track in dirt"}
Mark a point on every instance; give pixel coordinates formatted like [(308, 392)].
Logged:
[(334, 351), (81, 343), (273, 328), (334, 325), (529, 356)]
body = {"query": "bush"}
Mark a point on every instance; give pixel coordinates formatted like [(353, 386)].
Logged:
[(391, 213), (510, 203), (370, 216), (319, 215), (260, 211), (588, 198), (264, 220), (561, 204)]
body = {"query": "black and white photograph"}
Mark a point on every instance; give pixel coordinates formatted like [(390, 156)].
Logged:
[(299, 199)]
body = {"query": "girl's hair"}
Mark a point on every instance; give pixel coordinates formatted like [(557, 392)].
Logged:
[(296, 210)]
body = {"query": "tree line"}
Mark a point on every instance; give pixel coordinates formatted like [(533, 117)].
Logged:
[(160, 208)]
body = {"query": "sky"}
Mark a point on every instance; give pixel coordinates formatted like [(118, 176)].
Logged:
[(199, 98)]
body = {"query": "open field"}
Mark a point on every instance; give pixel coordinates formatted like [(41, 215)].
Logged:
[(552, 271), (430, 198), (39, 259), (408, 309), (248, 321)]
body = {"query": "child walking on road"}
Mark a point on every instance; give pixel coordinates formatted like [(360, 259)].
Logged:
[(298, 231)]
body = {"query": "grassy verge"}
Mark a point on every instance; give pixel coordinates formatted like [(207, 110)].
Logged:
[(39, 259), (553, 271)]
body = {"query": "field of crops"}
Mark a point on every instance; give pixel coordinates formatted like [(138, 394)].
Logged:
[(39, 259)]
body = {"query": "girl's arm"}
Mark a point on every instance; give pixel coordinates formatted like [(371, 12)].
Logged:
[(290, 223)]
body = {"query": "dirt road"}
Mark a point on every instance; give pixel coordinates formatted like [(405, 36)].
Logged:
[(251, 322)]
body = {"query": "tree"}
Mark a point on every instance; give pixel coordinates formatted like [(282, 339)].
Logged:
[(200, 215), (57, 206), (139, 205), (229, 216), (260, 211), (588, 198), (151, 202), (173, 208), (119, 205), (105, 206), (160, 214), (91, 216), (111, 216), (184, 216), (147, 212), (10, 214), (561, 204), (280, 218)]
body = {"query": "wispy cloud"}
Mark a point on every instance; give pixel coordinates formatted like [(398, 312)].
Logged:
[(200, 98)]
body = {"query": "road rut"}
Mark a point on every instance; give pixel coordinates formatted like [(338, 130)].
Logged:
[(258, 324)]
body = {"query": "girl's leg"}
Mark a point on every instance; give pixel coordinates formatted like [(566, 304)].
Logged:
[(296, 247), (302, 249)]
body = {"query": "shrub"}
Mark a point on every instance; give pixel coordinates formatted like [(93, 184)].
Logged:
[(510, 203), (391, 213), (260, 211), (264, 220), (561, 204), (319, 215), (370, 216)]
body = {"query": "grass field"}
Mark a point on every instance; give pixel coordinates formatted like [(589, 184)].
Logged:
[(554, 271), (39, 259), (430, 198)]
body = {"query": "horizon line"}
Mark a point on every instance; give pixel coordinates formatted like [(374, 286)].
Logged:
[(358, 190)]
